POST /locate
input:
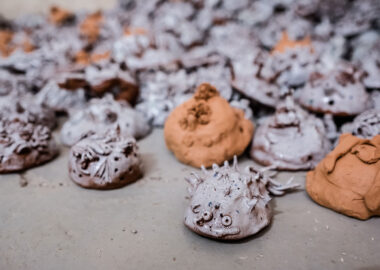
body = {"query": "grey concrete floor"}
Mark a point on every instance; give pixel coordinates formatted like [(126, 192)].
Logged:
[(53, 224)]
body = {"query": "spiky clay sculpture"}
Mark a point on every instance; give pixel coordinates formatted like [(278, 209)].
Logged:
[(228, 204)]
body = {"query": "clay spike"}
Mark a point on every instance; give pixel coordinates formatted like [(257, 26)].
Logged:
[(215, 167), (235, 163), (203, 168), (226, 164)]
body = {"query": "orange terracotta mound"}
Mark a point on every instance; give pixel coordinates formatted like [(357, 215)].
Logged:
[(348, 179), (59, 16), (285, 43), (84, 58), (206, 129), (8, 46)]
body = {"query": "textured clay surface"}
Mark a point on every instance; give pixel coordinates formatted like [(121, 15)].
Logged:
[(228, 204), (105, 162), (365, 125), (102, 115), (24, 145), (291, 139), (339, 92), (206, 129), (348, 179)]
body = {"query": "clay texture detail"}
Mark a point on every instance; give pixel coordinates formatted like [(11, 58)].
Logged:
[(105, 162), (228, 204), (24, 145), (206, 129), (348, 179), (291, 139), (102, 115)]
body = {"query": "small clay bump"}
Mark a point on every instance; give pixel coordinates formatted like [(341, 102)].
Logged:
[(100, 153)]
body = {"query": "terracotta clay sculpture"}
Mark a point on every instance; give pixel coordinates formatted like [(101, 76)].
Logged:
[(105, 162), (338, 92), (348, 179), (365, 125), (206, 129), (291, 139), (228, 204), (102, 115), (24, 145)]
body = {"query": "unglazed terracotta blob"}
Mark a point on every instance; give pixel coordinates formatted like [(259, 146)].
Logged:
[(291, 139), (228, 204), (105, 162), (348, 179), (206, 129)]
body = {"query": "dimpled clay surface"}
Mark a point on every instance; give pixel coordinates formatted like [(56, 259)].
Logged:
[(206, 129), (228, 204), (291, 139), (105, 162), (101, 115), (24, 145), (348, 179)]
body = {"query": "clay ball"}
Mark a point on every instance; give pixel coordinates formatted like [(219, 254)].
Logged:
[(206, 129), (24, 145), (229, 204), (347, 180), (105, 162)]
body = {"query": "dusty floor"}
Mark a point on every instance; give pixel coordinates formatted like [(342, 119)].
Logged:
[(53, 224)]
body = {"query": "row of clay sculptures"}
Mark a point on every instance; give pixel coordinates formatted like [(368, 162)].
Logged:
[(205, 131)]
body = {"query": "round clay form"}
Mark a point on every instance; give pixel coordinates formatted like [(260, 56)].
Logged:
[(348, 179), (291, 139), (24, 145), (105, 162), (228, 204), (206, 129), (102, 115)]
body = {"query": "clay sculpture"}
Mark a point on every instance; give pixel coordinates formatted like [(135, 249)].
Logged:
[(24, 145), (206, 129), (348, 179), (338, 92), (105, 162), (228, 204), (25, 108), (291, 139), (365, 125), (102, 115)]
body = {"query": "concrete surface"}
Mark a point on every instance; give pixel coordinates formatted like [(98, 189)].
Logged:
[(53, 224)]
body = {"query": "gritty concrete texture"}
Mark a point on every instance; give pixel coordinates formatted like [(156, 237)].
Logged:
[(48, 222)]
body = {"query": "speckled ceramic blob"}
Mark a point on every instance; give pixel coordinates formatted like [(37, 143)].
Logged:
[(24, 145), (339, 92), (105, 162), (291, 139), (25, 108), (102, 115), (228, 204), (365, 125)]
